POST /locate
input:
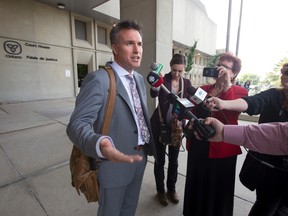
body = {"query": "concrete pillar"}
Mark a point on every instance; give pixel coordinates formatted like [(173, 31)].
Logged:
[(156, 18)]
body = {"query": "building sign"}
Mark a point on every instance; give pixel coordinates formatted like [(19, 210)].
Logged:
[(12, 48), (28, 51)]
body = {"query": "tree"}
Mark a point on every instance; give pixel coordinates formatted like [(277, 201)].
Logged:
[(272, 78), (213, 60), (190, 58), (254, 78), (279, 65)]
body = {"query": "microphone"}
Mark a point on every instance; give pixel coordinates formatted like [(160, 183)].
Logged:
[(154, 78), (197, 95), (181, 106), (156, 67)]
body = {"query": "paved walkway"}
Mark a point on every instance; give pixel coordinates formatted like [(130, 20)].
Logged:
[(35, 176)]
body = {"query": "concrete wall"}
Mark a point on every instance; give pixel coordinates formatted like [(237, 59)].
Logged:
[(39, 52), (190, 23), (35, 54), (156, 18)]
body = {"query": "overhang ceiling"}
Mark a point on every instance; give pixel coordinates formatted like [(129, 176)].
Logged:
[(82, 7)]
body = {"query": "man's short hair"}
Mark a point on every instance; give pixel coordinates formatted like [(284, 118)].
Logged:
[(125, 24)]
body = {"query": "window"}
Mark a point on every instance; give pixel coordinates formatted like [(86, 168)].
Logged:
[(101, 35), (80, 30), (82, 70)]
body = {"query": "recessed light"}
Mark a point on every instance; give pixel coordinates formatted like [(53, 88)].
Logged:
[(61, 6)]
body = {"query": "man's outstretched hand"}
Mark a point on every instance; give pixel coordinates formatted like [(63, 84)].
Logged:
[(112, 154)]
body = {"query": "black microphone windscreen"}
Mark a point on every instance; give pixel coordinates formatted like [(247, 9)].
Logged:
[(191, 90)]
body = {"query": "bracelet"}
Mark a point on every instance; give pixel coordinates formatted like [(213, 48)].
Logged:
[(230, 84)]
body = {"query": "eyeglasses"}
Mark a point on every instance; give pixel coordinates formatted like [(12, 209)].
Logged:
[(225, 66)]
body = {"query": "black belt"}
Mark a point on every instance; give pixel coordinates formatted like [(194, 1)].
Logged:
[(139, 147)]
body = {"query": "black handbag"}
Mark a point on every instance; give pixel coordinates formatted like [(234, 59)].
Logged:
[(248, 175), (164, 134), (164, 130), (256, 165)]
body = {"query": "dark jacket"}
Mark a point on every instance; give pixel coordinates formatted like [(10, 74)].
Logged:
[(269, 105), (163, 101)]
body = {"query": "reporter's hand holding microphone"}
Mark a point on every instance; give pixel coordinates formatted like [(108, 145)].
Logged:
[(217, 125), (155, 79), (214, 104)]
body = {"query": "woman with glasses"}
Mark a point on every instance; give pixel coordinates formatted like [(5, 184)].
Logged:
[(210, 177), (162, 118), (268, 174)]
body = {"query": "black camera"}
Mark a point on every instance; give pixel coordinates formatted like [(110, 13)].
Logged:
[(210, 72)]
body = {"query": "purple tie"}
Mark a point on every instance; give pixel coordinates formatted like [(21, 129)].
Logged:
[(138, 109)]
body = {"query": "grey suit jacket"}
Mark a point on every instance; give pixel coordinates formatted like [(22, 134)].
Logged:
[(85, 123)]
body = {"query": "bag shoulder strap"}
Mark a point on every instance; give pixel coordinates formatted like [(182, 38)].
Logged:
[(160, 115), (182, 87), (182, 94), (110, 102)]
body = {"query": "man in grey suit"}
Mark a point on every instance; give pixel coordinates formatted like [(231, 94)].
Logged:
[(124, 151)]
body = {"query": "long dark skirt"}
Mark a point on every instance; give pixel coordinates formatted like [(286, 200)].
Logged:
[(209, 188)]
